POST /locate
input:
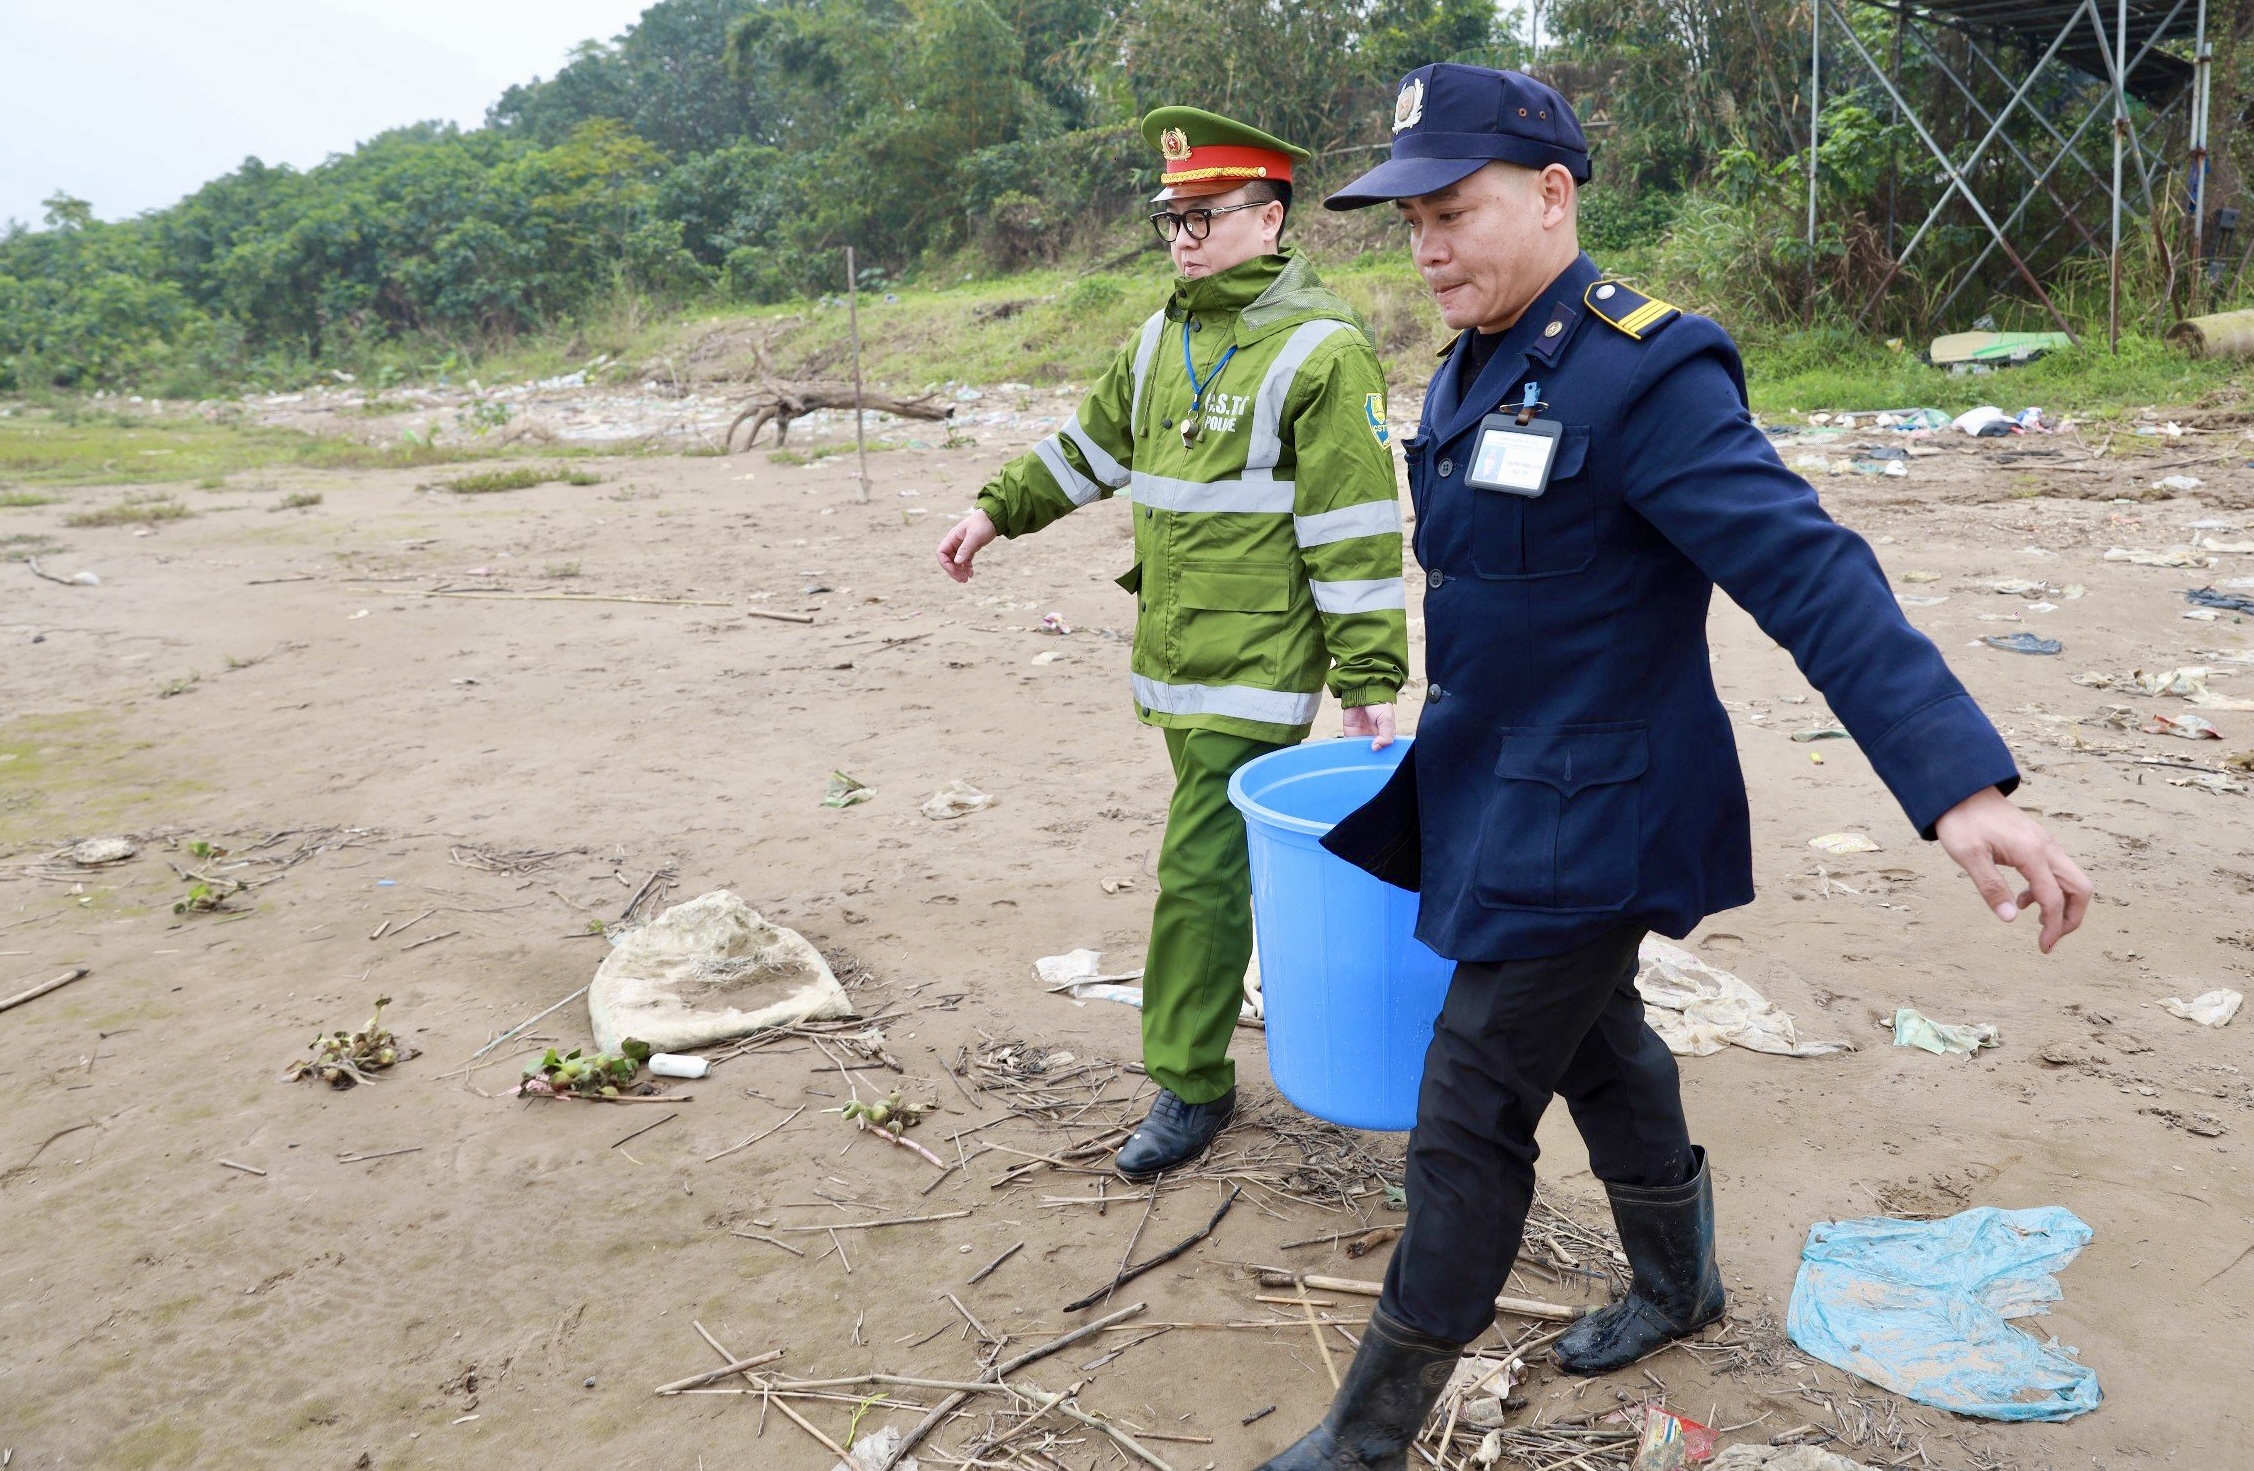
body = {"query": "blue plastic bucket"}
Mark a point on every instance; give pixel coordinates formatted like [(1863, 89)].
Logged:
[(1350, 992)]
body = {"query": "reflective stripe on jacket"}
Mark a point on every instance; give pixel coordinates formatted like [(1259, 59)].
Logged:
[(1268, 553)]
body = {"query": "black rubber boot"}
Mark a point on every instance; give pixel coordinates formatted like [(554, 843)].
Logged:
[(1668, 1237), (1396, 1378), (1175, 1133)]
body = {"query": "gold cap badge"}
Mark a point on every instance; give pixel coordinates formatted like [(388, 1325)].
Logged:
[(1174, 144)]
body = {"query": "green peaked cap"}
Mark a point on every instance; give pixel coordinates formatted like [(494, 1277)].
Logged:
[(1205, 129)]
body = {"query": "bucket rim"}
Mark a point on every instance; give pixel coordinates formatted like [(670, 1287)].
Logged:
[(1251, 807)]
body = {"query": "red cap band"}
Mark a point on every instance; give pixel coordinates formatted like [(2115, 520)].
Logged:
[(1228, 161)]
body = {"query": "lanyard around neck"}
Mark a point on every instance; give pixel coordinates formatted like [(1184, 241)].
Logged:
[(1197, 388)]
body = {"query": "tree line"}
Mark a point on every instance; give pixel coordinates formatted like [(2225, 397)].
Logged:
[(732, 149)]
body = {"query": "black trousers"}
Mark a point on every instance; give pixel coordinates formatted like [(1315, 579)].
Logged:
[(1510, 1035)]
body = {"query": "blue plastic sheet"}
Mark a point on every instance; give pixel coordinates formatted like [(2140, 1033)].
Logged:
[(1922, 1308)]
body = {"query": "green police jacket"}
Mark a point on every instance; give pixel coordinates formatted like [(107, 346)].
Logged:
[(1268, 553)]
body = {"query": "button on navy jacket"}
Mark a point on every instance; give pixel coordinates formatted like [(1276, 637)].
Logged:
[(1574, 767)]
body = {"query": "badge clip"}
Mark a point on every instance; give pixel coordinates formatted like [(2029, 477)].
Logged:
[(1527, 410)]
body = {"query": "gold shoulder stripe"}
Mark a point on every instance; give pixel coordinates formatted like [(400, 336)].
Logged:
[(1630, 311)]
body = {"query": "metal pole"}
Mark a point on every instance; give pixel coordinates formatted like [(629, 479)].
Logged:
[(1815, 115), (2202, 80), (2120, 136), (853, 323)]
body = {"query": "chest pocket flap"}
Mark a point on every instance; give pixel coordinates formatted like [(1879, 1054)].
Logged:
[(1234, 587), (1572, 452), (1574, 759)]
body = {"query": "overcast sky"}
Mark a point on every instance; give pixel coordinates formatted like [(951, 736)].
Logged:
[(133, 103)]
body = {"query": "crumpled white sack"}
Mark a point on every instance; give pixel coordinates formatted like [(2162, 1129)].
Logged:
[(705, 971), (1698, 1009), (2209, 1008)]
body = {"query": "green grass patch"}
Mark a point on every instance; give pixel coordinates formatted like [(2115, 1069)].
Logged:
[(1802, 372), (18, 499), (515, 477), (71, 447), (130, 512), (23, 546), (297, 500)]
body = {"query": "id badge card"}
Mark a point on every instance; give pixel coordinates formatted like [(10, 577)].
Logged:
[(1514, 458)]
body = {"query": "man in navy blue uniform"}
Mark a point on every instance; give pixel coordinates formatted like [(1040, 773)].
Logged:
[(1585, 474)]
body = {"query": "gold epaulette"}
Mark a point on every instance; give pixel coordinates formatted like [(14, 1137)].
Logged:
[(1634, 313)]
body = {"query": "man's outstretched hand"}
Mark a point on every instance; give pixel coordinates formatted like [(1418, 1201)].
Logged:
[(962, 543), (1374, 721), (1984, 831)]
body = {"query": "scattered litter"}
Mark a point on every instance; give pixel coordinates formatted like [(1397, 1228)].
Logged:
[(1842, 845), (1922, 1308), (1669, 1442), (1985, 422), (1118, 886), (99, 852), (1050, 657), (1914, 1029), (2188, 683), (678, 1065), (1821, 733), (342, 1059), (1921, 576), (1077, 967), (2023, 643), (1912, 600), (2207, 597), (956, 799), (1054, 623), (875, 1449), (2209, 1008), (2189, 727), (1698, 1009), (2019, 587), (705, 971), (844, 791), (1985, 349), (2178, 483), (76, 579), (2172, 557), (1079, 974)]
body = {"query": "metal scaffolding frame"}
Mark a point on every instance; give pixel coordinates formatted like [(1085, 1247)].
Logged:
[(2075, 50)]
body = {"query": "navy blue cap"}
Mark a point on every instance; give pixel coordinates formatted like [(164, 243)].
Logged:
[(1451, 120)]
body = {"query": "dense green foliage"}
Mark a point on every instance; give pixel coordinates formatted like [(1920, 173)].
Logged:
[(717, 147), (729, 151)]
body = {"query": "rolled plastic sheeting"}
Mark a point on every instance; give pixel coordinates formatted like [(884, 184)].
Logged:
[(2222, 335)]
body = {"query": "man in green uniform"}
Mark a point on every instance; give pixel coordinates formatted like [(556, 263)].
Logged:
[(1246, 422)]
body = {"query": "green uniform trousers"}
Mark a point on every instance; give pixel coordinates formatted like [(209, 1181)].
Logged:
[(1201, 928)]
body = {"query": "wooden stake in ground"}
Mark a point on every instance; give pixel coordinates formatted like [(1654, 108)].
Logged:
[(853, 325)]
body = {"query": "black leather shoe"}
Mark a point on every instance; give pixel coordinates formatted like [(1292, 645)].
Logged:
[(1396, 1379), (1174, 1134), (1668, 1237)]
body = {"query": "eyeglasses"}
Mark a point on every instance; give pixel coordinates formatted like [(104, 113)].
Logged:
[(1196, 223)]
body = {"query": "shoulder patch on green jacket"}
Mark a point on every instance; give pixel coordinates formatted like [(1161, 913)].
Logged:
[(1631, 311)]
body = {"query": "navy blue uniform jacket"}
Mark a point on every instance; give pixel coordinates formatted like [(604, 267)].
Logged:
[(1574, 767)]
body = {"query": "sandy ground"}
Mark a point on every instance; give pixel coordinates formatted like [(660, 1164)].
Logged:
[(510, 1292)]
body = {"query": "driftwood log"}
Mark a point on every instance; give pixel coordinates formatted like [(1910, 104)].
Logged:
[(779, 405)]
